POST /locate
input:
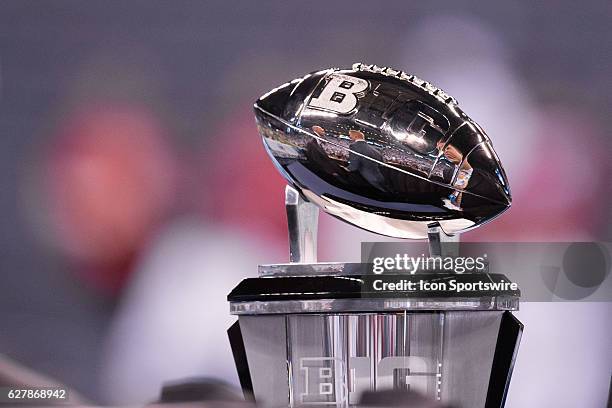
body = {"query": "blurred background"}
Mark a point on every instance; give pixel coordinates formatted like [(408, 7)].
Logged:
[(136, 192)]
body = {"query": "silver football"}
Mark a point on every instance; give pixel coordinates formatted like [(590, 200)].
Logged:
[(383, 150)]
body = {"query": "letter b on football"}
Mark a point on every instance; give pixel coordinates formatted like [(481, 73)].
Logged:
[(339, 94)]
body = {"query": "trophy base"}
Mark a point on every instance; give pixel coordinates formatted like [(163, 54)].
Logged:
[(322, 334)]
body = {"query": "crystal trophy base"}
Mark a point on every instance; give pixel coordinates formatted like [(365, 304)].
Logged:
[(317, 335)]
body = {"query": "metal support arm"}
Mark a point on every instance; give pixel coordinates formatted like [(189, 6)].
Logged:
[(302, 220), (441, 244)]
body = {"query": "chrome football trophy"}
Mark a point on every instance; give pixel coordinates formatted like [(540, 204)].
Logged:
[(392, 154)]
